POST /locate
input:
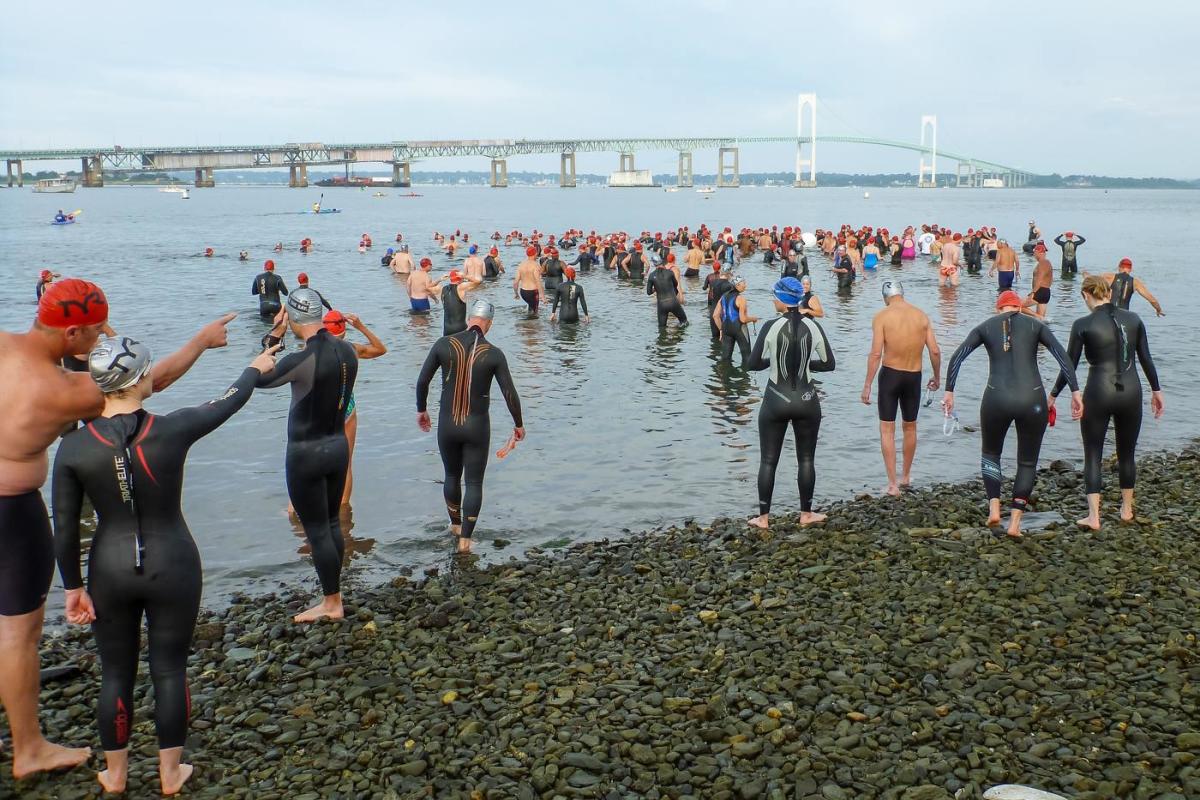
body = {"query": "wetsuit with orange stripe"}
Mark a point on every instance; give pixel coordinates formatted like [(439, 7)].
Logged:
[(142, 558), (469, 363)]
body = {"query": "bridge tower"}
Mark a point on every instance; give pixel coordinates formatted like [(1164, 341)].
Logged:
[(806, 101), (928, 125)]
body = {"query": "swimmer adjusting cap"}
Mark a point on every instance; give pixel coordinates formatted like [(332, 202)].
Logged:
[(72, 302), (892, 288), (483, 310), (304, 307), (117, 363)]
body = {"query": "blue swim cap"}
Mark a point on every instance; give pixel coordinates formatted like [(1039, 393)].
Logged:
[(788, 291), (390, 251), (472, 249)]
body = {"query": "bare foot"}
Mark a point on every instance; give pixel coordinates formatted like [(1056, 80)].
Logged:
[(993, 522), (455, 530), (808, 518), (892, 490), (112, 785), (172, 784), (906, 482), (48, 756), (326, 609), (1088, 523), (1014, 532), (1126, 513), (761, 521), (464, 544)]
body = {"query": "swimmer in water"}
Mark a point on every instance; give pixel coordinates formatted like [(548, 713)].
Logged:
[(793, 347), (901, 333), (469, 363), (454, 302), (663, 285), (473, 267), (1006, 266), (268, 286), (492, 265), (570, 295), (951, 255), (402, 262), (1014, 394), (733, 315), (1123, 285), (527, 284), (421, 288), (1039, 295)]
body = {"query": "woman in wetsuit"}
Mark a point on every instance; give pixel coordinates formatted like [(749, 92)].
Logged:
[(142, 558), (793, 346), (1111, 338), (335, 322), (1014, 394), (810, 304), (733, 316), (664, 286)]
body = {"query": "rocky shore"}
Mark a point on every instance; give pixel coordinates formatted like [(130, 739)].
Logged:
[(898, 652)]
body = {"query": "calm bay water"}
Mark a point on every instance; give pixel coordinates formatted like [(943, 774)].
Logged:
[(628, 428)]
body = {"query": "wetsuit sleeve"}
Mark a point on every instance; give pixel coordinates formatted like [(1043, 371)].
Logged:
[(557, 297), (426, 376), (284, 372), (67, 501), (1058, 240), (1046, 337), (823, 360), (1143, 354), (504, 378), (1081, 241), (973, 340), (324, 302), (254, 286), (583, 302), (282, 286), (757, 359), (650, 285), (1074, 351), (196, 422)]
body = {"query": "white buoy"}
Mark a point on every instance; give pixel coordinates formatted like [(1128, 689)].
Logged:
[(866, 195), (1012, 791)]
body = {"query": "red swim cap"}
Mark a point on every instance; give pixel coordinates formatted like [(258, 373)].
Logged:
[(425, 262), (637, 245), (335, 322), (302, 277), (493, 252), (269, 265), (957, 236), (46, 274), (1008, 298), (569, 272), (531, 251), (670, 258), (1125, 264), (72, 302), (1039, 248), (455, 276)]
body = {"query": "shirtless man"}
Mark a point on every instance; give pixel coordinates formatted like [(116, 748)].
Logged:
[(900, 334), (1123, 286), (951, 256), (527, 285), (40, 400), (421, 288), (402, 263), (473, 266), (694, 259), (1039, 296), (1006, 265)]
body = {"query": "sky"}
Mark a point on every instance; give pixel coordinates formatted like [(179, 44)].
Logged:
[(1072, 87)]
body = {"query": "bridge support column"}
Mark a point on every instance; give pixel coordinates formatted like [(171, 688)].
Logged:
[(204, 178), (297, 176), (566, 179), (401, 174), (499, 173), (928, 124), (806, 101), (626, 162), (735, 180), (20, 172), (685, 174), (93, 172)]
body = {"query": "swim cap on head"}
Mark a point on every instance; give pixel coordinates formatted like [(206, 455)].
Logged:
[(670, 258), (531, 251), (1039, 248), (569, 272), (788, 291), (403, 248), (892, 288), (268, 265), (1125, 264), (302, 278), (1069, 234), (455, 276), (483, 310), (637, 245), (425, 262), (335, 322), (72, 302), (493, 252), (46, 274), (737, 279), (117, 363), (1008, 298), (304, 307), (472, 249), (390, 251), (656, 259)]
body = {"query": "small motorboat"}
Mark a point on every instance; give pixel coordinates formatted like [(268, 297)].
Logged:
[(412, 194), (185, 195), (54, 186), (705, 190), (173, 190), (379, 194)]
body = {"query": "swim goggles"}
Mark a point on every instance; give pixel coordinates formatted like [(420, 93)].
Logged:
[(950, 424)]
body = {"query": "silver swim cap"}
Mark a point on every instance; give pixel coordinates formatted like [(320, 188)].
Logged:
[(304, 307), (892, 288), (117, 363), (483, 310), (736, 279)]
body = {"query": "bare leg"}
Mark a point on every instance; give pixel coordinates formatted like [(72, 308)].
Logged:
[(330, 607), (172, 774), (993, 512), (910, 451), (1127, 505), (117, 770), (761, 521), (1092, 520), (887, 445), (463, 545), (1014, 524), (19, 687), (811, 518), (351, 436)]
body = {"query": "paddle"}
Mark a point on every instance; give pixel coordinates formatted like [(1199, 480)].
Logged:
[(320, 201)]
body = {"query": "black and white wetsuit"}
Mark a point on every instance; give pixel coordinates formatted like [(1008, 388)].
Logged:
[(268, 286), (570, 295), (1069, 246)]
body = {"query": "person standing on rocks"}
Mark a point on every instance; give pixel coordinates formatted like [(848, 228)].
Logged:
[(1111, 338), (901, 333), (1014, 394), (318, 454), (142, 558), (469, 364), (793, 346), (41, 400)]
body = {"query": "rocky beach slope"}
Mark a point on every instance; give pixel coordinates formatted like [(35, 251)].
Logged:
[(900, 651)]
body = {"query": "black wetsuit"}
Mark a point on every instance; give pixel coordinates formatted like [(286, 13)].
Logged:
[(665, 288), (41, 288), (570, 295), (491, 270), (454, 311), (268, 286), (716, 287), (1014, 394), (637, 266), (1122, 288), (584, 260), (143, 558), (553, 275), (733, 330), (973, 254), (1069, 246), (318, 455), (845, 280), (793, 346), (1111, 338), (469, 363)]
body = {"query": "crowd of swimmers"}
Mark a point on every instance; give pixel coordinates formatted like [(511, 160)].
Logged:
[(72, 366)]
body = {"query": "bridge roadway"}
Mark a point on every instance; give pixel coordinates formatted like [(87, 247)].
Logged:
[(297, 157)]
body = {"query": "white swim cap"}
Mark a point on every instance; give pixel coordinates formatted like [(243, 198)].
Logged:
[(483, 310), (117, 363), (892, 288)]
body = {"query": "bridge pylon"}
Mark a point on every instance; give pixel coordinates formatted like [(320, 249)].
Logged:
[(734, 180), (566, 177), (685, 176), (401, 174), (499, 173), (93, 172), (806, 101), (928, 125)]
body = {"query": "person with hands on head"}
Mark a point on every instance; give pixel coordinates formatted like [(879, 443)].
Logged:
[(335, 322), (469, 363), (143, 559), (1014, 394)]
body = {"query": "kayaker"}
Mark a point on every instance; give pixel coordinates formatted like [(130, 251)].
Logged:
[(60, 216)]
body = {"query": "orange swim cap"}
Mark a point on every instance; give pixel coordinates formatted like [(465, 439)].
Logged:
[(335, 322), (72, 302)]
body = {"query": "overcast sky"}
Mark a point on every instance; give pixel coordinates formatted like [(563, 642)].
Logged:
[(1069, 87)]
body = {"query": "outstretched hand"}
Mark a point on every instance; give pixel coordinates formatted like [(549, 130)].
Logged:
[(215, 334)]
